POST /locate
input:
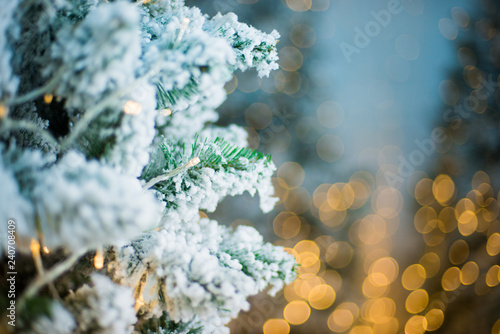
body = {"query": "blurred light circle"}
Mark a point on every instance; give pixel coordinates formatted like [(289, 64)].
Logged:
[(387, 267), (321, 297), (469, 273), (416, 325), (276, 326), (448, 28), (297, 312), (258, 116), (413, 277), (290, 58), (286, 225), (299, 5), (434, 319), (451, 279), (292, 173), (303, 35), (460, 16), (417, 301), (431, 264)]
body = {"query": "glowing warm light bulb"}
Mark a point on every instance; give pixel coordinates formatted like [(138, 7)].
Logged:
[(46, 250), (99, 259), (4, 111), (35, 252), (132, 108), (47, 98), (193, 162), (166, 112)]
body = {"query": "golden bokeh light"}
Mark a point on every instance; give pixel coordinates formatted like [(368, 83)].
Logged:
[(384, 271), (340, 320), (299, 5), (451, 279), (276, 326), (416, 325), (417, 301), (493, 244), (469, 273), (492, 276), (443, 189), (434, 319), (413, 277), (321, 296), (431, 263), (423, 192), (286, 225), (297, 312), (291, 58), (292, 173)]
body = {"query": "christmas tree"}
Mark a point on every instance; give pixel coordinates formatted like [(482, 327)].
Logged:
[(108, 154)]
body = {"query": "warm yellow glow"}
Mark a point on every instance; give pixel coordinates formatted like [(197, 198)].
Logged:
[(423, 192), (46, 250), (434, 319), (309, 263), (425, 220), (47, 98), (321, 296), (4, 111), (493, 245), (492, 276), (166, 112), (361, 330), (35, 252), (431, 264), (99, 258), (340, 320), (299, 5), (286, 225), (379, 310), (372, 290), (297, 312), (469, 273), (443, 189), (276, 326), (306, 246), (388, 269), (132, 108), (416, 325), (413, 277), (372, 229), (417, 301), (451, 279)]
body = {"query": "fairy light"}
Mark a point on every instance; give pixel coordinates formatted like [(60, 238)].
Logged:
[(132, 108), (46, 250), (99, 258), (182, 29), (47, 98), (35, 252), (166, 112), (4, 111)]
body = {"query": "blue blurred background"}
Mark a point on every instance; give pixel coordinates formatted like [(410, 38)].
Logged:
[(383, 123)]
